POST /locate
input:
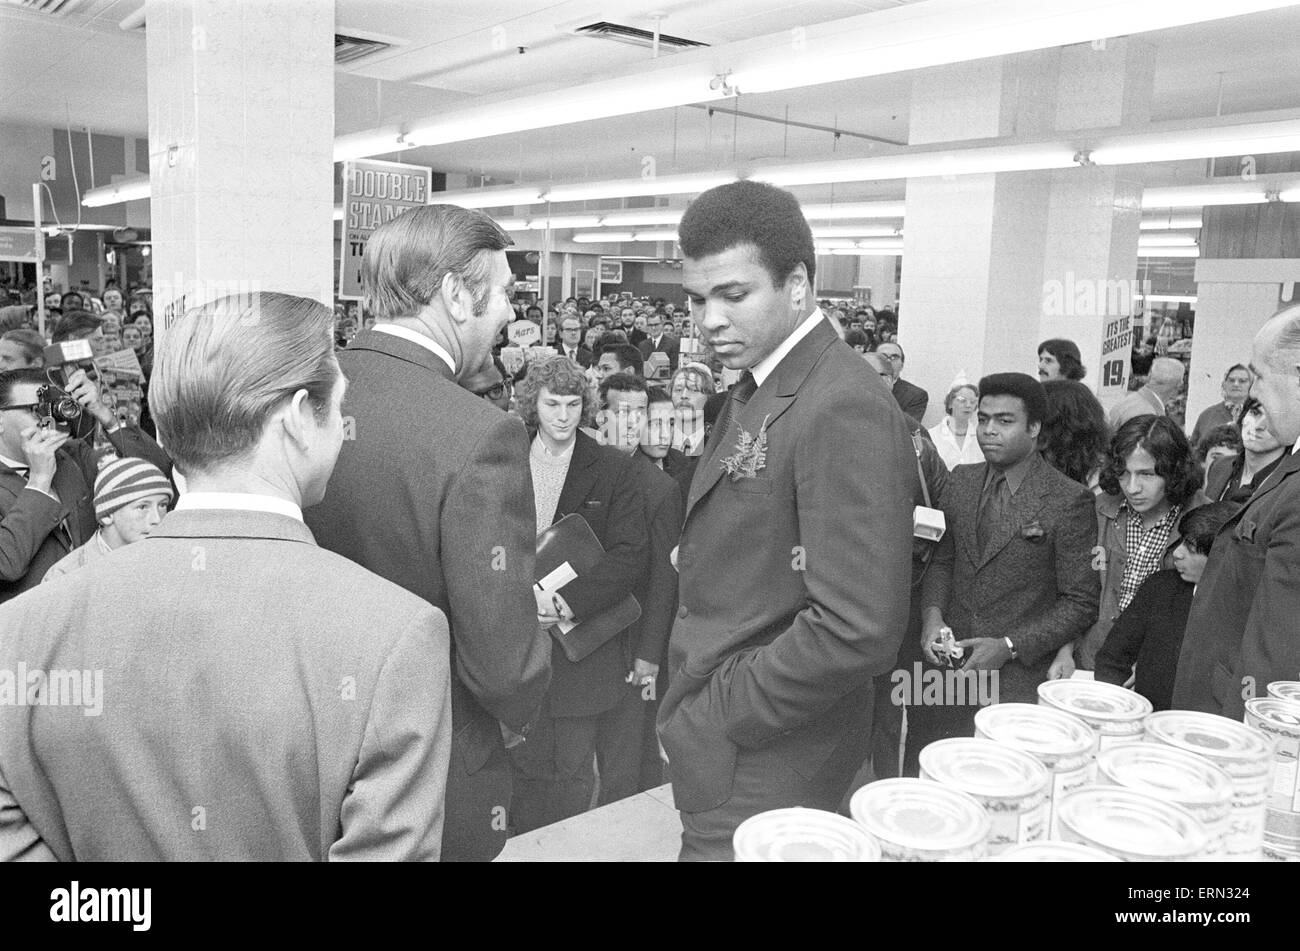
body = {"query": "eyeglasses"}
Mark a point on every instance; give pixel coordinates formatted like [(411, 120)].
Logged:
[(495, 392), (893, 356)]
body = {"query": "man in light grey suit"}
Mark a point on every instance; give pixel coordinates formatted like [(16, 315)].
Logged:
[(225, 689)]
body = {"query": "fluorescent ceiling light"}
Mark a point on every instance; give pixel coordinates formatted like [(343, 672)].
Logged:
[(673, 216), (922, 164), (1170, 222), (1289, 194), (855, 209), (489, 197), (868, 252), (853, 231), (128, 189), (1166, 241), (1195, 196), (1258, 138), (1169, 252), (1168, 298), (639, 187), (601, 237), (668, 216)]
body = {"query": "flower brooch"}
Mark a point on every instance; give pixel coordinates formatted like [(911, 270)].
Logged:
[(750, 456)]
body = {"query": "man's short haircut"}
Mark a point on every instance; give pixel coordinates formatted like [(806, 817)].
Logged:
[(623, 383), (857, 338), (562, 377), (750, 213), (1020, 385), (229, 365), (31, 343), (531, 308), (1199, 526), (407, 258), (628, 356), (1164, 440), (81, 301), (74, 325), (700, 374), (1067, 356), (892, 343), (1287, 340), (12, 378), (657, 394), (1234, 368), (1229, 435)]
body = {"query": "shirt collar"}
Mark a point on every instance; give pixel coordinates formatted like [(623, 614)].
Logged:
[(1156, 396), (763, 369), (1296, 447), (1169, 516), (419, 340), (1015, 475), (247, 501), (22, 466)]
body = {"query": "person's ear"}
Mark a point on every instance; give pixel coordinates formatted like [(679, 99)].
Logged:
[(299, 419), (106, 521), (456, 298), (1034, 430), (797, 283)]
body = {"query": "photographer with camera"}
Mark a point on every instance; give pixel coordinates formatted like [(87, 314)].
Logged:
[(48, 468)]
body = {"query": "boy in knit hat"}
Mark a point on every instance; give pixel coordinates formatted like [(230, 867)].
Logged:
[(131, 497)]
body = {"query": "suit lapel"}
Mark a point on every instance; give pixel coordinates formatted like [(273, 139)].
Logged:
[(1025, 505), (966, 527), (580, 478), (769, 403), (1289, 464)]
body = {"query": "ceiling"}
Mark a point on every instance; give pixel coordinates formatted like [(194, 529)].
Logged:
[(81, 68)]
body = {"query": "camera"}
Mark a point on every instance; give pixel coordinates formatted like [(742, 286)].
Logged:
[(57, 410)]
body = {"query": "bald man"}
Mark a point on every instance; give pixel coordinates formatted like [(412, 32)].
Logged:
[(1241, 632), (1162, 385)]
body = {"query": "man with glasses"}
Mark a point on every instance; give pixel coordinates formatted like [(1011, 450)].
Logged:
[(47, 479), (571, 342), (493, 384), (911, 399), (659, 341), (1236, 387)]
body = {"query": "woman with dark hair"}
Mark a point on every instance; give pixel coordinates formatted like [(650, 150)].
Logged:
[(1149, 632), (1235, 478), (1074, 438), (1150, 479), (1060, 360), (1219, 442)]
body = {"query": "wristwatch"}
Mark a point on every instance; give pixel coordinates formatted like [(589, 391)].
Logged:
[(1011, 647)]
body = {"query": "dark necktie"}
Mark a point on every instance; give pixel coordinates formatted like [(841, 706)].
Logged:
[(740, 393), (992, 511)]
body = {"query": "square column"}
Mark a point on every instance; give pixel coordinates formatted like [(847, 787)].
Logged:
[(241, 132)]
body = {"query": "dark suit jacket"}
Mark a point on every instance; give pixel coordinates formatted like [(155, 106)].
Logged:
[(603, 487), (433, 492), (912, 400), (297, 699), (1148, 633), (29, 540), (1241, 633), (667, 344), (657, 590), (1035, 581), (794, 583), (1223, 481), (584, 357)]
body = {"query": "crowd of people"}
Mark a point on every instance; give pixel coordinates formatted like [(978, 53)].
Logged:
[(335, 643)]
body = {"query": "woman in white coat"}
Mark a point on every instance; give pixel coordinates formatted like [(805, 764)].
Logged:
[(954, 436)]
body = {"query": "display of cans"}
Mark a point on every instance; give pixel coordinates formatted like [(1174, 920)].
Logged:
[(1114, 713), (1052, 852), (1011, 785), (919, 820), (802, 835), (1285, 690), (1244, 754), (1131, 825), (1173, 775), (1063, 743)]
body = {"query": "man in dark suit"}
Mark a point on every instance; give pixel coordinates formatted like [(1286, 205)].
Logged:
[(433, 491), (795, 554), (657, 442), (247, 696), (1013, 577), (627, 405), (571, 341), (573, 474), (659, 341), (1241, 633), (47, 479), (912, 400)]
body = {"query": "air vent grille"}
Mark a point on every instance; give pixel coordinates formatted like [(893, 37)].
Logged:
[(349, 49), (635, 37)]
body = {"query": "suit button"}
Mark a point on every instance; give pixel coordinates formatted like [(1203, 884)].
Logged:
[(682, 612)]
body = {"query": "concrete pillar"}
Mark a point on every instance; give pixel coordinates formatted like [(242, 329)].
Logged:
[(241, 130)]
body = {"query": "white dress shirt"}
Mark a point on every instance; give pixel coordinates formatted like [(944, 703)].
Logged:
[(418, 339), (956, 450), (244, 501), (763, 369)]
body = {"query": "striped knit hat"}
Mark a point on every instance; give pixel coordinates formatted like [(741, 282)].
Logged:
[(128, 480)]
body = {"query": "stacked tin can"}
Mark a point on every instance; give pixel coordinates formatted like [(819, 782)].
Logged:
[(1062, 743), (802, 835), (1277, 716), (1013, 787), (1131, 825), (1114, 713), (918, 820), (1241, 752)]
